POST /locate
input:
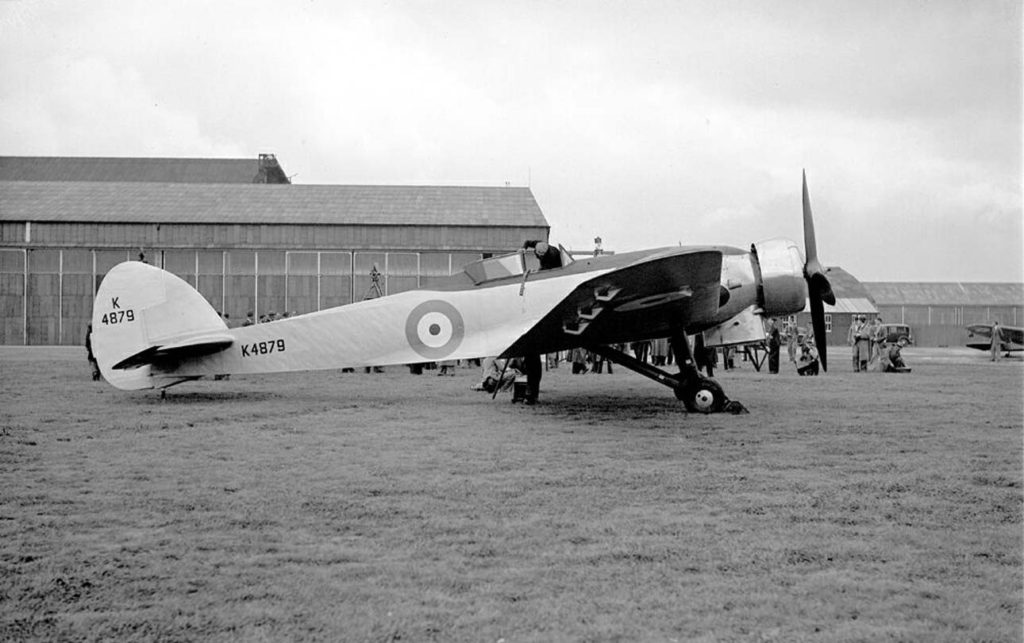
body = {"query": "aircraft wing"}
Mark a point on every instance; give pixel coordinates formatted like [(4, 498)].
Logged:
[(981, 330), (642, 300), (1013, 337)]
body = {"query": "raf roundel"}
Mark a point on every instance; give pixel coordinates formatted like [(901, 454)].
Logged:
[(435, 329)]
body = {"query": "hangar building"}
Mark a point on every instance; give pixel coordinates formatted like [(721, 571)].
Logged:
[(237, 230), (938, 313)]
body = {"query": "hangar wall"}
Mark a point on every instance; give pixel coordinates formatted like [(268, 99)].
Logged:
[(248, 247), (946, 325), (46, 294), (939, 312)]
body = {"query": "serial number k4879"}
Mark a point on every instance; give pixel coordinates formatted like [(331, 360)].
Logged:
[(118, 317), (256, 349)]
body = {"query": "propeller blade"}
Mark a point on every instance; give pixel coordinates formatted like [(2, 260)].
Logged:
[(810, 246), (819, 290), (813, 270), (819, 283), (818, 323)]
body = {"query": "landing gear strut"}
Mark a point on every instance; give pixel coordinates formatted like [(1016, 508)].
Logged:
[(698, 393)]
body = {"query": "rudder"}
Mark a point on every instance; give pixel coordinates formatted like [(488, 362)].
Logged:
[(138, 310)]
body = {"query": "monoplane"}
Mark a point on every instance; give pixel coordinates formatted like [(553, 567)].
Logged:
[(153, 330), (1013, 337)]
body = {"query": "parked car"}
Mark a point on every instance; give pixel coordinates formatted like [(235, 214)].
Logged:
[(896, 332)]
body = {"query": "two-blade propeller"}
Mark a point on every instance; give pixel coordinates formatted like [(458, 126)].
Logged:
[(819, 289)]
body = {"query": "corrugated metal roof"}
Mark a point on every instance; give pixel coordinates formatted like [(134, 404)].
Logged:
[(95, 202), (123, 170), (891, 293), (848, 305), (845, 285)]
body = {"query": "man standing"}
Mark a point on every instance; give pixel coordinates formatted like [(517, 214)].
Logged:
[(876, 342), (88, 354), (792, 333), (863, 343), (997, 341), (851, 339), (774, 342)]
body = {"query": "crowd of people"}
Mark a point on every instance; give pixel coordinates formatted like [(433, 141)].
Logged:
[(872, 349)]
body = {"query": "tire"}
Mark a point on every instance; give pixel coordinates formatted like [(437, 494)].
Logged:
[(701, 396)]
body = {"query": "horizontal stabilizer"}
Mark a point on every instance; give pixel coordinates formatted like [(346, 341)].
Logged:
[(176, 351)]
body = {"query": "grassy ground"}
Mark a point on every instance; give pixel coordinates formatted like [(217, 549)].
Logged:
[(386, 507)]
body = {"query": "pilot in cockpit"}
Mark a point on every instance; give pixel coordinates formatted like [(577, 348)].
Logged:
[(549, 256)]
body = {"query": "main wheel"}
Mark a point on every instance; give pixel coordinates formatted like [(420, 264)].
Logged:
[(701, 396)]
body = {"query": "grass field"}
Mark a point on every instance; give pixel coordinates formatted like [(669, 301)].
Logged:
[(385, 507)]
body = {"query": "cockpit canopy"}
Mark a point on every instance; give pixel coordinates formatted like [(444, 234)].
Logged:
[(514, 264)]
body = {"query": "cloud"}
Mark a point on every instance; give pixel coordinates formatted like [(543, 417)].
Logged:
[(646, 124)]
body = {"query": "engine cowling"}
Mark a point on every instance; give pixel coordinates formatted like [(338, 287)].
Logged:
[(779, 268)]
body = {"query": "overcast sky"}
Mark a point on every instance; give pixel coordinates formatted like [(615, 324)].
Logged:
[(645, 123)]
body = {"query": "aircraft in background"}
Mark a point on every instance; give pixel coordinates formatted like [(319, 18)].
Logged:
[(1013, 337), (153, 330)]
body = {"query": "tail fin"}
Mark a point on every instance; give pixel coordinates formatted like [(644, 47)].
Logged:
[(143, 316)]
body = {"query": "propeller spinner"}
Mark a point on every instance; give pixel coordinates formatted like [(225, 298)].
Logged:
[(819, 290)]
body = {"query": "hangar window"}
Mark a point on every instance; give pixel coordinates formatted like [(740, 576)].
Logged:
[(369, 269), (241, 262), (181, 263), (211, 262), (435, 264), (105, 260), (828, 323), (303, 263), (403, 269), (335, 284), (12, 262), (76, 262)]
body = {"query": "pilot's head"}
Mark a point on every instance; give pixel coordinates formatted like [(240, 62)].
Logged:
[(540, 248)]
